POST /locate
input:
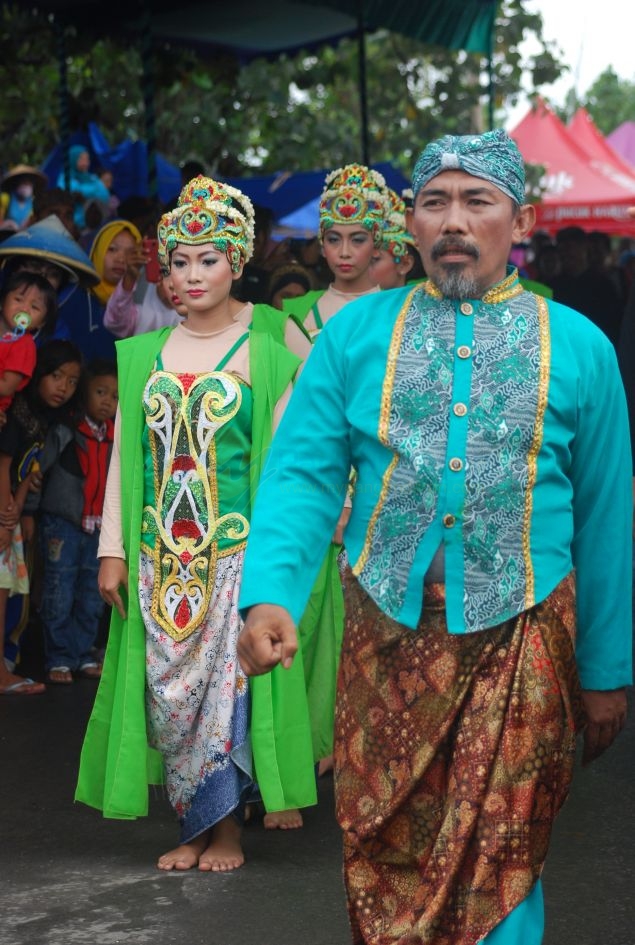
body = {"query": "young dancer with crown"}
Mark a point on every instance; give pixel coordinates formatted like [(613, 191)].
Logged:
[(353, 207), (198, 405)]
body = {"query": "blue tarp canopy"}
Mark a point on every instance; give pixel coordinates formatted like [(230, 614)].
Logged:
[(128, 162), (284, 193)]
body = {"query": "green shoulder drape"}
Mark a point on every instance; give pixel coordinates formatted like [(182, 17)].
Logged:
[(117, 765)]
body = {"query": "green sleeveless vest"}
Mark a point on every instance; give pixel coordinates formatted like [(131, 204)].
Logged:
[(116, 763)]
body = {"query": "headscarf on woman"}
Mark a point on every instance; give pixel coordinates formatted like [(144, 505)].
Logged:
[(102, 241)]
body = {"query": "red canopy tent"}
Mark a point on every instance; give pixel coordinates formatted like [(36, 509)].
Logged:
[(581, 190), (604, 158)]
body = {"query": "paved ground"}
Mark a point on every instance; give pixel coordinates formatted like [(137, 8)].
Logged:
[(71, 878)]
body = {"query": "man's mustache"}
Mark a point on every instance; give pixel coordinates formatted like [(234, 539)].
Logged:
[(449, 244)]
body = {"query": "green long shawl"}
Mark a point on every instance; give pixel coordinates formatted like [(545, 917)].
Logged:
[(301, 305), (117, 765), (273, 322)]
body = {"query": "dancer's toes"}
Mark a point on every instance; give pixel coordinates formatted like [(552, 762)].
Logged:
[(283, 820), (184, 857), (218, 860), (224, 852)]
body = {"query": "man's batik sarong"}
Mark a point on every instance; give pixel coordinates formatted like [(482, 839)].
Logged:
[(453, 754)]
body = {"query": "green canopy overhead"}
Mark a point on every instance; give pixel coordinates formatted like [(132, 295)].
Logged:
[(455, 24), (254, 28)]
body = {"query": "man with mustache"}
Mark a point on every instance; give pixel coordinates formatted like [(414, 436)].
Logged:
[(488, 600)]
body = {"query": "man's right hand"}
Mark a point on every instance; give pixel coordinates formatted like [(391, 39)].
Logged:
[(268, 638), (113, 574)]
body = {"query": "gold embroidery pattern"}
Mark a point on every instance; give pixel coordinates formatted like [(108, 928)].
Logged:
[(431, 290), (532, 458), (384, 421), (183, 415), (509, 288)]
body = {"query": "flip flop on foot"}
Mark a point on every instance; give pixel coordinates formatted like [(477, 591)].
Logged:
[(60, 676), (24, 687), (90, 671)]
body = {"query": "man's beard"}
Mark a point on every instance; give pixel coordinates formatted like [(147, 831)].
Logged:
[(455, 284), (451, 280)]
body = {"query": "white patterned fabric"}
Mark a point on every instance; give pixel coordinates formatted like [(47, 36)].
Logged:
[(197, 701)]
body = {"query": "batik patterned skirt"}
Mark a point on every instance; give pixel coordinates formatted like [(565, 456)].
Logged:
[(453, 754), (197, 702)]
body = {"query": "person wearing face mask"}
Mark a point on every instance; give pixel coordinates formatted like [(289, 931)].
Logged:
[(18, 188)]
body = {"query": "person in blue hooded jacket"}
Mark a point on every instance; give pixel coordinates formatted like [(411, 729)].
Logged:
[(83, 184)]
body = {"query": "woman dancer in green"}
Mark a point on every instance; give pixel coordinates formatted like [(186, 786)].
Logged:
[(198, 404)]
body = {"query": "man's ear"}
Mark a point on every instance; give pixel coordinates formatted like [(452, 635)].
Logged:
[(405, 265), (523, 222)]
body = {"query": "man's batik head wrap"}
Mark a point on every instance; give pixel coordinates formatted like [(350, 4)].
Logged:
[(492, 156), (209, 212), (395, 237), (354, 195)]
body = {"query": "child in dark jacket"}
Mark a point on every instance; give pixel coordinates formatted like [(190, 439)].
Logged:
[(70, 521), (46, 402)]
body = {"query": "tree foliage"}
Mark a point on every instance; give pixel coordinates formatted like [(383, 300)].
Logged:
[(295, 113), (610, 101)]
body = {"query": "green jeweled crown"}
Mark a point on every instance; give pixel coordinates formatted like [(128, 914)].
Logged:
[(209, 212), (354, 194), (395, 236)]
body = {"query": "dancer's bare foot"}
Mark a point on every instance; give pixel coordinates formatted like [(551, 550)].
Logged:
[(224, 852), (283, 820), (186, 856)]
